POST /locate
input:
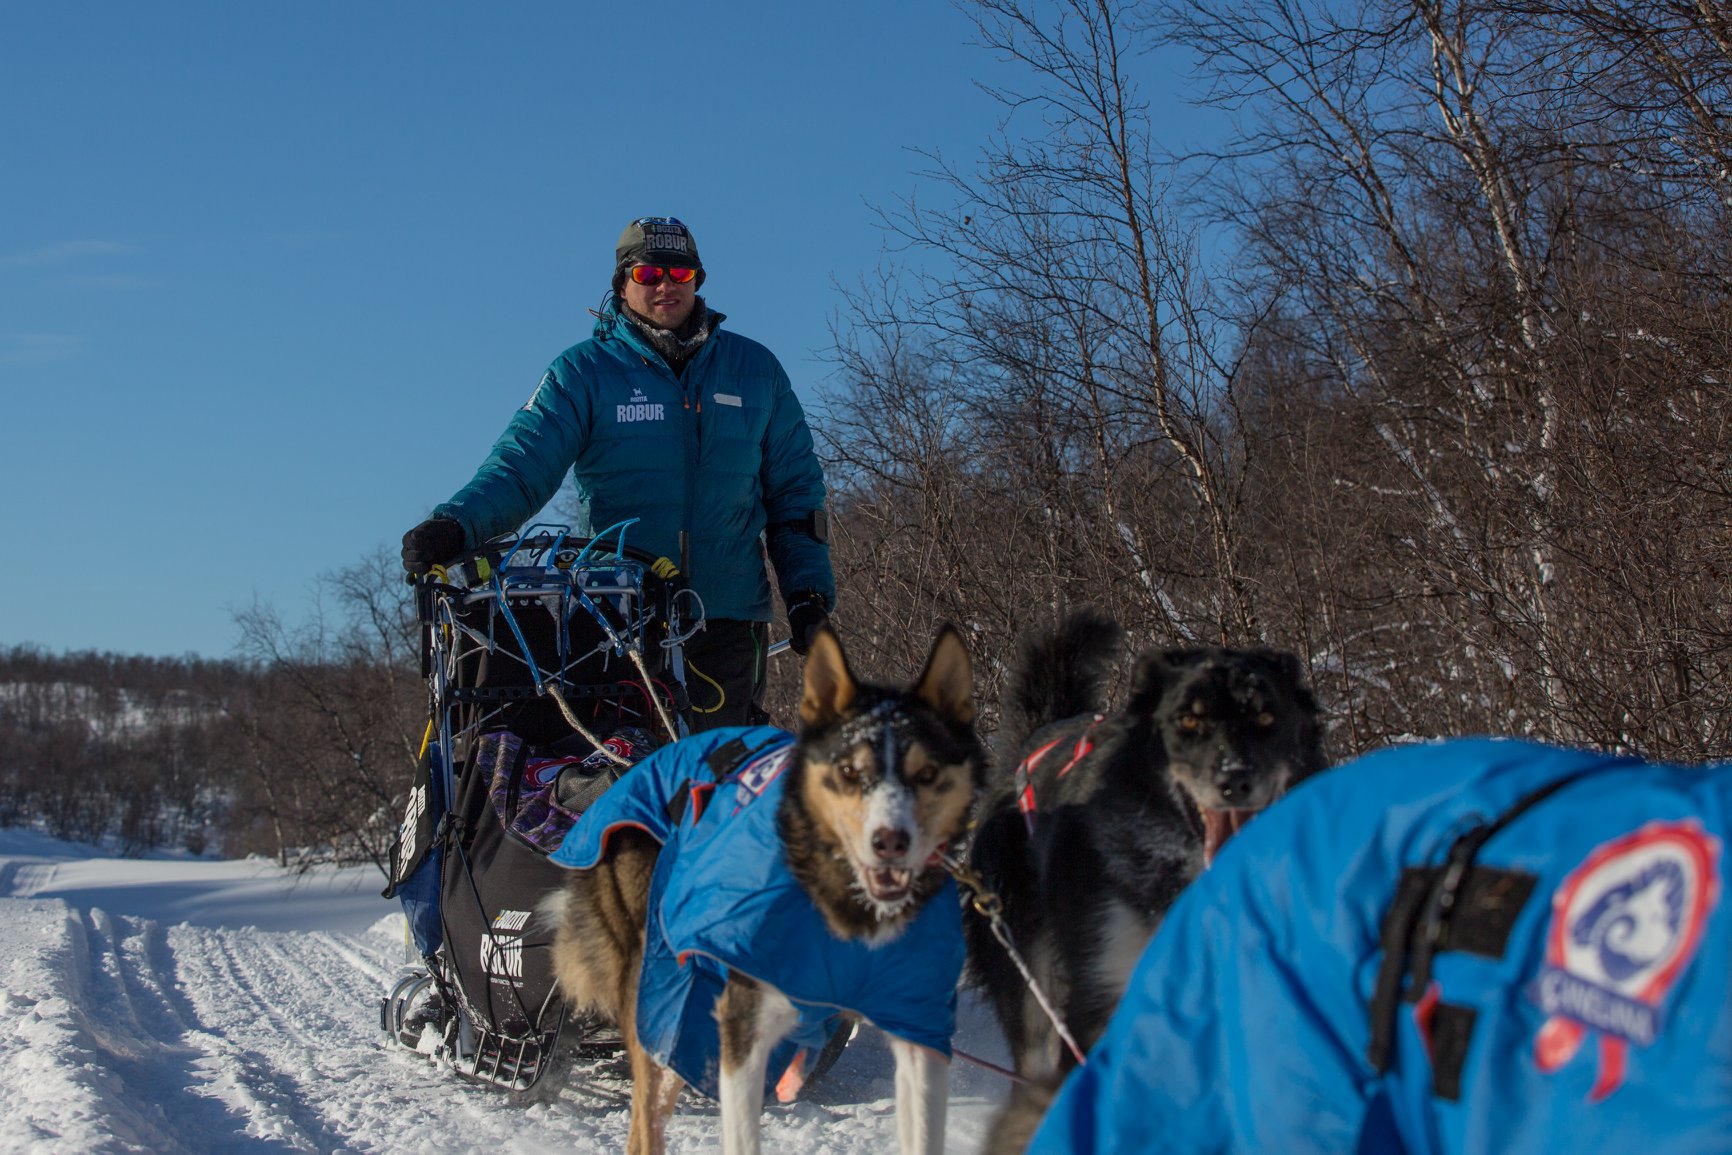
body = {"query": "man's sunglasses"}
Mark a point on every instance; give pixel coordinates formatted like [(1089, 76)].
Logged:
[(653, 274)]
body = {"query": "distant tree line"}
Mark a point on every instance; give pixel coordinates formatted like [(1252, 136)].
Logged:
[(299, 750), (93, 745), (1423, 374)]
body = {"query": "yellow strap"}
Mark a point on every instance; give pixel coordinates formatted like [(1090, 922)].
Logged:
[(665, 568), (426, 741), (721, 694)]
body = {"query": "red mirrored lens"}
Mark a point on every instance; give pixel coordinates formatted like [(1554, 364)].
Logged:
[(652, 275)]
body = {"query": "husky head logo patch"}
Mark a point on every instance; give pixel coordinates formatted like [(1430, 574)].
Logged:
[(1625, 924), (756, 777)]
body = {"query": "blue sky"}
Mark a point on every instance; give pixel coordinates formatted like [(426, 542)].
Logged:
[(273, 276)]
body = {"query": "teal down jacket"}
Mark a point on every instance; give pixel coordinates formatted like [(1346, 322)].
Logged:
[(720, 452)]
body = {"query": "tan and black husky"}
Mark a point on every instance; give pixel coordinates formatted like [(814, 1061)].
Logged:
[(879, 782)]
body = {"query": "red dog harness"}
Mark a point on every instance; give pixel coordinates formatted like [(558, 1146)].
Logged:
[(1025, 772)]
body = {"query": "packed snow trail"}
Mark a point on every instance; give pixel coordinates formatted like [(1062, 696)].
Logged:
[(121, 1031)]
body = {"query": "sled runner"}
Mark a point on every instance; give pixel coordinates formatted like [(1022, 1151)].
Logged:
[(553, 663)]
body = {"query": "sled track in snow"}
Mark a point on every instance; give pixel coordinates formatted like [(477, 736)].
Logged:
[(120, 1034), (152, 1076), (129, 984)]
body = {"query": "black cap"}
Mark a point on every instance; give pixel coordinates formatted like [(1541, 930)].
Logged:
[(656, 241)]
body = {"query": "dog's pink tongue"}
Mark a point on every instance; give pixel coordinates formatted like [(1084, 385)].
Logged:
[(1220, 825)]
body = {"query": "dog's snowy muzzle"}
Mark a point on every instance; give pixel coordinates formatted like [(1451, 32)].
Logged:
[(885, 884)]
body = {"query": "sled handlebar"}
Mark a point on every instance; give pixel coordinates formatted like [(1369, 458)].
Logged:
[(490, 554)]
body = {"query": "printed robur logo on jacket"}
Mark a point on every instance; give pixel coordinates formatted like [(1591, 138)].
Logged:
[(501, 948), (641, 408)]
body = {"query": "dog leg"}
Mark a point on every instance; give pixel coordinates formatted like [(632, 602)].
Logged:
[(753, 1019), (1125, 933), (660, 1098), (922, 1097), (1035, 1044), (1121, 933), (654, 1089), (1015, 1125), (599, 917)]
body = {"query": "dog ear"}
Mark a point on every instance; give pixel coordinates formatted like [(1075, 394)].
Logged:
[(1287, 662), (1150, 676), (829, 685), (1312, 757), (947, 683), (1292, 674)]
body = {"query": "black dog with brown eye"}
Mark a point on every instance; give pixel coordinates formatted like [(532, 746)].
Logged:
[(1097, 820)]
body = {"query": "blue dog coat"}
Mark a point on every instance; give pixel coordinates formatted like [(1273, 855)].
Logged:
[(722, 898), (1576, 1000)]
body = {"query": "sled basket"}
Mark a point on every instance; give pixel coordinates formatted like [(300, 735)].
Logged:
[(553, 664), (511, 631)]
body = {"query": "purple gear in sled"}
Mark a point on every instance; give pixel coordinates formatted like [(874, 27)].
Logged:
[(539, 803)]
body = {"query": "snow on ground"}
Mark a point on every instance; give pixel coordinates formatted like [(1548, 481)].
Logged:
[(182, 1005)]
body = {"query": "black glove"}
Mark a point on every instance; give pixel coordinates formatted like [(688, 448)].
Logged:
[(436, 540), (805, 614)]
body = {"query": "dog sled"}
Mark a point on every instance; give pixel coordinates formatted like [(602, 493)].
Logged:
[(553, 664)]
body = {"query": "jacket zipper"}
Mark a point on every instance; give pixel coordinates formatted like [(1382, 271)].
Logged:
[(693, 435), (694, 446)]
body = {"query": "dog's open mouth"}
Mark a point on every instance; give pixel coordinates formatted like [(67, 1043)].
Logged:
[(886, 885), (1220, 825)]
